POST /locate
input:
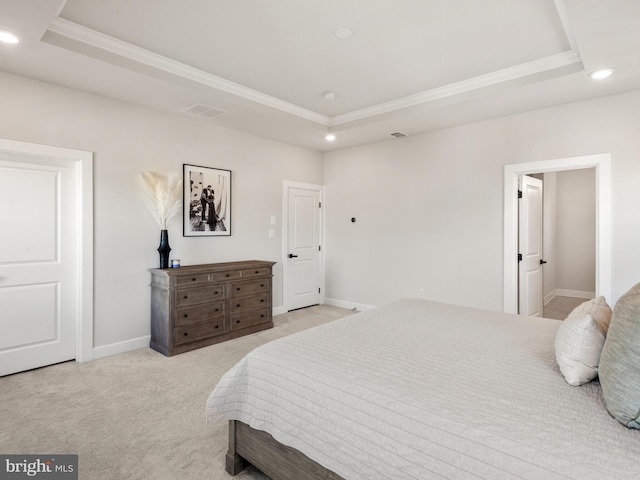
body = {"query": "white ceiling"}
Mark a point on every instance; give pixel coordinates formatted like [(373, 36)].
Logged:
[(410, 65)]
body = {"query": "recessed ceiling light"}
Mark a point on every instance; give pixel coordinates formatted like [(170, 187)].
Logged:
[(8, 37), (329, 95), (330, 137), (343, 32), (602, 73)]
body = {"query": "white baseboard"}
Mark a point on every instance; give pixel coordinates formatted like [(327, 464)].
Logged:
[(550, 296), (121, 347), (278, 311), (350, 305), (575, 293)]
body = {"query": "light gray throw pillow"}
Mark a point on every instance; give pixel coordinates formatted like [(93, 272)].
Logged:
[(619, 368), (580, 340)]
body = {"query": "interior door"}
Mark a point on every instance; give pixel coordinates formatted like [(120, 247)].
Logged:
[(38, 264), (303, 248), (530, 247)]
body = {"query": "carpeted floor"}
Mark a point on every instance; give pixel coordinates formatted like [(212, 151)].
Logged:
[(138, 415)]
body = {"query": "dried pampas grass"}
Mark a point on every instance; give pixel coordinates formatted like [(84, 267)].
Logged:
[(162, 194)]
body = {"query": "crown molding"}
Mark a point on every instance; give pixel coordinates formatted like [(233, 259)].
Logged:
[(561, 9), (516, 72), (87, 36)]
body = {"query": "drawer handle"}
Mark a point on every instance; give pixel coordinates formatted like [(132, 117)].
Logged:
[(193, 279), (237, 289), (262, 316), (217, 310), (227, 275), (237, 304), (237, 321), (186, 334), (216, 327), (262, 284), (215, 293), (185, 297), (185, 315), (262, 301), (257, 272)]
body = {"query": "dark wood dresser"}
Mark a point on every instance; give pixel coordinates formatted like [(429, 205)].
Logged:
[(199, 305)]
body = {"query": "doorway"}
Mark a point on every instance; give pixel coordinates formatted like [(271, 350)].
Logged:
[(46, 272), (602, 165), (303, 266), (556, 242)]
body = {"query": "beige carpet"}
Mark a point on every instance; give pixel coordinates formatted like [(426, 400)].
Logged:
[(137, 415)]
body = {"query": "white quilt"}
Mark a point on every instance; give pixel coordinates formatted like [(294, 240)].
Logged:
[(423, 390)]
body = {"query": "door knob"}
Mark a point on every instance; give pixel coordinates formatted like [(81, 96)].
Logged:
[(291, 255), (542, 262)]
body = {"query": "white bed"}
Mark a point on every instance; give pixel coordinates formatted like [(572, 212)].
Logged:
[(424, 390)]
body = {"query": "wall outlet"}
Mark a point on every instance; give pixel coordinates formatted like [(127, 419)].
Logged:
[(421, 293), (272, 233), (273, 219)]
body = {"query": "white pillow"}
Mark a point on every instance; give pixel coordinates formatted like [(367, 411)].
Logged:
[(580, 340)]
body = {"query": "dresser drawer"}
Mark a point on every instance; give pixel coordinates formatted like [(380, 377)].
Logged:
[(198, 331), (249, 303), (247, 319), (242, 289), (192, 296), (195, 279), (199, 313), (256, 272), (216, 277)]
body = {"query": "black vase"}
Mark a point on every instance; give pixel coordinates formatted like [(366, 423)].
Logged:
[(164, 249)]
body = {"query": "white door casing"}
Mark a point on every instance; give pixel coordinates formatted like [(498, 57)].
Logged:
[(302, 255), (602, 164), (46, 312), (530, 247)]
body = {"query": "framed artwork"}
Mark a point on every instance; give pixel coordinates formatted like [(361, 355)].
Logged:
[(207, 201)]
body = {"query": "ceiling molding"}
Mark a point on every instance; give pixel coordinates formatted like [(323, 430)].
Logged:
[(84, 35), (564, 19), (524, 70), (547, 65)]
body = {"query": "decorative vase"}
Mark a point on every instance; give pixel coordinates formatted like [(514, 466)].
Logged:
[(164, 249)]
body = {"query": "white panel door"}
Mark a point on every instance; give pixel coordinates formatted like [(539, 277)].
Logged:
[(530, 247), (38, 264), (303, 241)]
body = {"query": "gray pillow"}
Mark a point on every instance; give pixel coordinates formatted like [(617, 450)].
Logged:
[(619, 368)]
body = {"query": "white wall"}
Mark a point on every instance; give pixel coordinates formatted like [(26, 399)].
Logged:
[(429, 207), (128, 139), (576, 226)]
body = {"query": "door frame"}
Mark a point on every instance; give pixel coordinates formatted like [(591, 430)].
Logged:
[(602, 164), (83, 171), (286, 185)]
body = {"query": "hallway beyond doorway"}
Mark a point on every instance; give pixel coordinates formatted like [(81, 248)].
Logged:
[(560, 307)]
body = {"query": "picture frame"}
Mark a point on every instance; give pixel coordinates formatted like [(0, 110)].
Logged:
[(206, 190)]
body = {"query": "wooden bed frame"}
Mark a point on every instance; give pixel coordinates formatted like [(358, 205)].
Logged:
[(248, 445)]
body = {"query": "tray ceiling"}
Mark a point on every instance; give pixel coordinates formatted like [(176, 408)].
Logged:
[(408, 65)]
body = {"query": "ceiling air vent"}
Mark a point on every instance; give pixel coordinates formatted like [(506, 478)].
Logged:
[(397, 134), (202, 110)]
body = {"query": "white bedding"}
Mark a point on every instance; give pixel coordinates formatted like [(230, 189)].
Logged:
[(423, 390)]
